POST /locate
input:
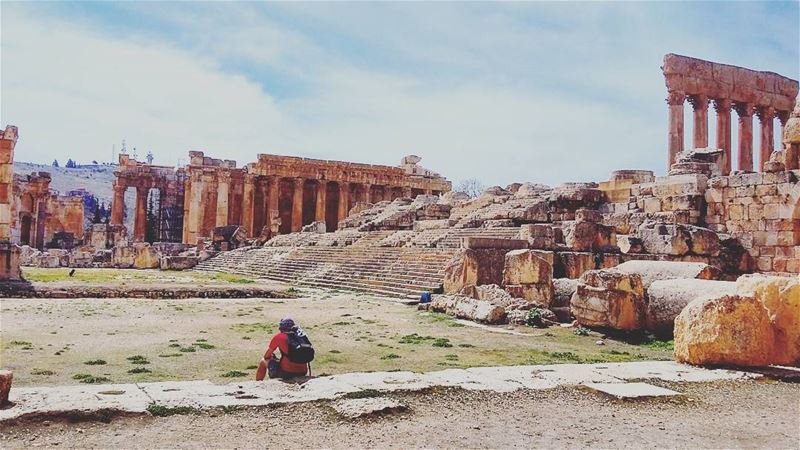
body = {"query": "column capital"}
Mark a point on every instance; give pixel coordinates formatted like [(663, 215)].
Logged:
[(675, 97), (765, 113), (743, 109), (699, 101), (722, 104)]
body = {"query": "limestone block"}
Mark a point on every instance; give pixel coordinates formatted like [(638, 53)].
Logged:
[(781, 298), (178, 262), (587, 236), (146, 257), (541, 293), (651, 271), (461, 271), (123, 256), (469, 308), (667, 298), (629, 244), (609, 298), (536, 212), (704, 241), (6, 377), (539, 236), (724, 330), (665, 239), (525, 267)]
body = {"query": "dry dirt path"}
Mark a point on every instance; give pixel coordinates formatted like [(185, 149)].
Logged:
[(749, 414)]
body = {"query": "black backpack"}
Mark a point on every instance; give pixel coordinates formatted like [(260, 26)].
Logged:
[(300, 349)]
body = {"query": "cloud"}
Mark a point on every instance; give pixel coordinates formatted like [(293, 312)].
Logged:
[(502, 92)]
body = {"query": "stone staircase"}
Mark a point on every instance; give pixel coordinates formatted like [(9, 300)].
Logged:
[(397, 272), (453, 237)]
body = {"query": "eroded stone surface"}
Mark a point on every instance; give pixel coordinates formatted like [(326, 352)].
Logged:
[(360, 407)]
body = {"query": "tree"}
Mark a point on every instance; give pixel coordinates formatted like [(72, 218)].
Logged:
[(55, 163), (71, 164), (470, 186)]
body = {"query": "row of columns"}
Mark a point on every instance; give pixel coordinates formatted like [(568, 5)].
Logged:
[(270, 190), (139, 214), (723, 108)]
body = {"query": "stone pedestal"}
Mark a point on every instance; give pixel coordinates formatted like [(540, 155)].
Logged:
[(9, 261)]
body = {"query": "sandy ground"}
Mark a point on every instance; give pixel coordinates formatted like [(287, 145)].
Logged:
[(744, 414), (50, 341)]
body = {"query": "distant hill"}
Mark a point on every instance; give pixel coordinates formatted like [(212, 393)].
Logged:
[(96, 179)]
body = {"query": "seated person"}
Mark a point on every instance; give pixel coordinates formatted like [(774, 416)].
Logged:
[(284, 367)]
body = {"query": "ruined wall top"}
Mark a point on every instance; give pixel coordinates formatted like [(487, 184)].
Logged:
[(197, 158), (693, 76), (11, 133)]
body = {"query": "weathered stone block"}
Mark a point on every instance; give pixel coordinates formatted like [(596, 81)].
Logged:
[(665, 239), (609, 298), (724, 330), (6, 377), (469, 308), (667, 298)]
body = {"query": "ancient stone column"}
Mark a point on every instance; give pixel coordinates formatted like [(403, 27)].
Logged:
[(223, 184), (723, 108), (783, 116), (322, 199), (118, 205), (297, 204), (745, 157), (248, 205), (700, 105), (367, 193), (344, 199), (675, 101), (767, 142), (140, 216), (273, 208)]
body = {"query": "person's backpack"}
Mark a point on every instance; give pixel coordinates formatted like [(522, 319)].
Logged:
[(300, 349)]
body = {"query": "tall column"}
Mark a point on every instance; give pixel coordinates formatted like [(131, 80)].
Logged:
[(322, 200), (223, 184), (248, 205), (367, 193), (344, 199), (118, 205), (745, 157), (297, 204), (273, 211), (723, 108), (700, 105), (767, 142), (675, 101), (140, 218)]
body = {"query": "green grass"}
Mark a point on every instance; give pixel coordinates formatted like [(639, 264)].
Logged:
[(365, 393), (43, 372), (442, 342), (234, 374), (187, 350), (40, 275), (655, 344), (95, 362), (136, 370), (138, 359), (165, 411), (391, 356), (415, 339)]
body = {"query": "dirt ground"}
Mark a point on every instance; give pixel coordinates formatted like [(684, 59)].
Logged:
[(57, 341), (743, 414)]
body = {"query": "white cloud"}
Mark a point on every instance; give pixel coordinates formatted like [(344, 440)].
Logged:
[(495, 92)]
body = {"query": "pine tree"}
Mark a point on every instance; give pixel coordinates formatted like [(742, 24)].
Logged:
[(55, 163)]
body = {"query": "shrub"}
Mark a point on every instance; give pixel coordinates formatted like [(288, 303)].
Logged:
[(233, 374), (390, 356), (581, 331), (95, 362), (139, 370), (137, 359), (44, 372), (442, 342), (534, 318)]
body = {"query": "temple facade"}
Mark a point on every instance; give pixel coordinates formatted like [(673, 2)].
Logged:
[(273, 195), (766, 94)]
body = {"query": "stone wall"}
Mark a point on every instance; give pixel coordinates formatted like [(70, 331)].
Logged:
[(9, 253), (763, 211)]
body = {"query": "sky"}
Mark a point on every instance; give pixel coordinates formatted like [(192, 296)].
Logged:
[(546, 92)]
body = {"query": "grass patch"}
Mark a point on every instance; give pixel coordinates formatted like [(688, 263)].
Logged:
[(442, 342), (251, 367), (415, 339), (234, 374), (95, 362), (20, 343), (91, 379), (366, 393), (43, 372), (655, 344), (137, 359), (581, 331), (203, 345), (170, 355), (136, 370), (391, 356), (187, 350), (165, 411)]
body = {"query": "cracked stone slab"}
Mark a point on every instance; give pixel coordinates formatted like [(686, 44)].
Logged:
[(631, 390), (203, 394), (360, 407)]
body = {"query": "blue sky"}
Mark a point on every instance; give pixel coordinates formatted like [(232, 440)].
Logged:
[(546, 92)]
